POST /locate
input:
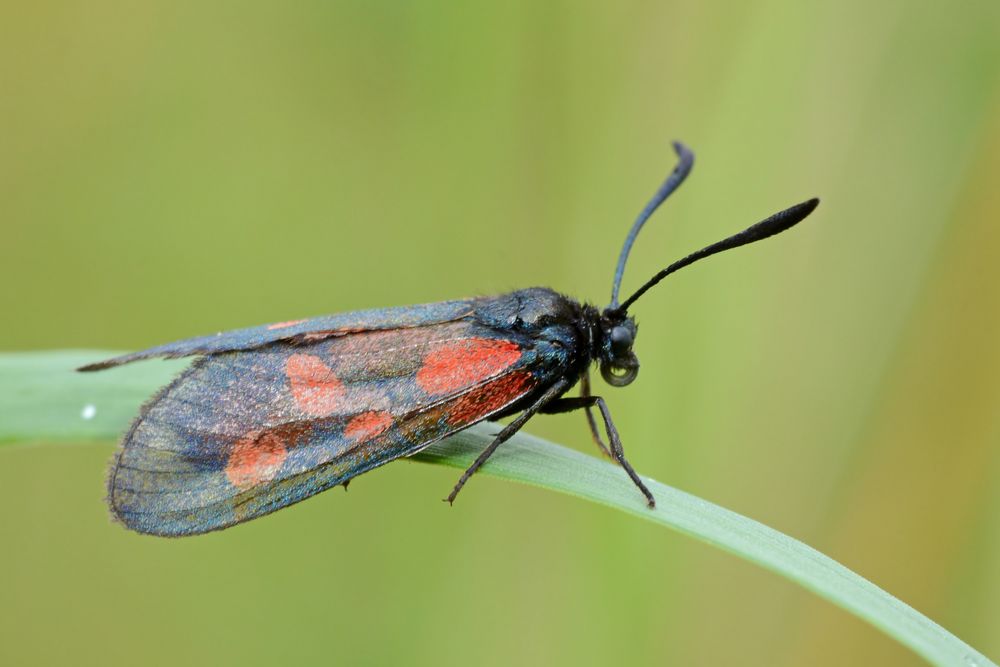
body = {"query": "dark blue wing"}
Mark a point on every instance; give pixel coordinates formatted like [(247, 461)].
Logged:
[(241, 434), (301, 331)]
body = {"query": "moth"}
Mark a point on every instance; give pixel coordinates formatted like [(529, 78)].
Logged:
[(270, 415)]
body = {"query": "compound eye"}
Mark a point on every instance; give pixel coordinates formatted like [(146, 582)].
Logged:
[(621, 340)]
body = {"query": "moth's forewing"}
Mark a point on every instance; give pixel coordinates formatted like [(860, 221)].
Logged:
[(241, 434), (301, 330)]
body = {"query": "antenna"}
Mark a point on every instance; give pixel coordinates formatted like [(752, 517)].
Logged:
[(776, 224), (680, 172)]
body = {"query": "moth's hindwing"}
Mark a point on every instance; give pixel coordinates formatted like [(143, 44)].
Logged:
[(241, 434)]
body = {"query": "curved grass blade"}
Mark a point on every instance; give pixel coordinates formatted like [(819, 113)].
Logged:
[(534, 461), (42, 400)]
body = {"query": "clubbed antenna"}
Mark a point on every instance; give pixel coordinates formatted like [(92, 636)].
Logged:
[(776, 224)]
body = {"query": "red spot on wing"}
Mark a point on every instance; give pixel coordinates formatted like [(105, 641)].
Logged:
[(255, 458), (490, 397), (316, 389), (367, 425), (284, 325), (459, 363)]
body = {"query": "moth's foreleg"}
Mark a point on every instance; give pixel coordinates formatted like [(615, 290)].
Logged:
[(617, 451), (559, 406), (588, 410)]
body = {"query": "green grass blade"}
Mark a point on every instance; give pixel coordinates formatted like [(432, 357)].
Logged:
[(537, 462), (42, 400)]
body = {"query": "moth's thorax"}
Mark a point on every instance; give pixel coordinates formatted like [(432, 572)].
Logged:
[(582, 331), (556, 322)]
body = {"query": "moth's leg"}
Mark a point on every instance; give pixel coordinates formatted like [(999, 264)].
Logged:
[(555, 407), (509, 430), (591, 422), (617, 452)]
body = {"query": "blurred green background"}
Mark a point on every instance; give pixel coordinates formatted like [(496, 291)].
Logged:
[(175, 168)]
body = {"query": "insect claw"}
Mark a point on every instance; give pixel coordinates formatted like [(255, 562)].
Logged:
[(345, 484)]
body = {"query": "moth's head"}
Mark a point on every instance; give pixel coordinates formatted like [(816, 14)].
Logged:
[(619, 365)]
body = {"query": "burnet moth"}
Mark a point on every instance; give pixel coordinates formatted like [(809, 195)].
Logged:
[(268, 416)]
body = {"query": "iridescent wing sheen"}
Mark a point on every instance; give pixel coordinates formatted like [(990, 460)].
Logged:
[(305, 330), (241, 434)]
